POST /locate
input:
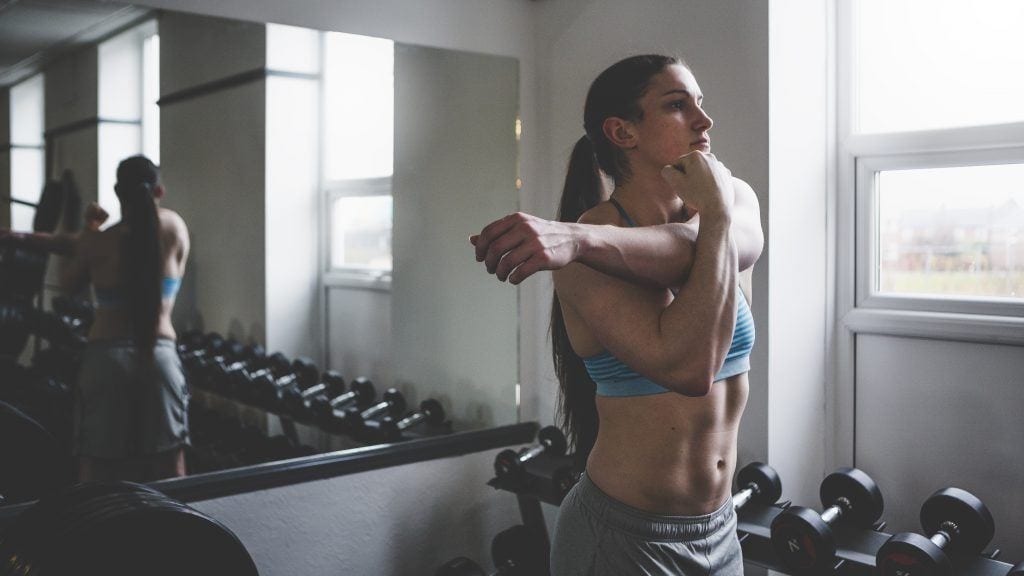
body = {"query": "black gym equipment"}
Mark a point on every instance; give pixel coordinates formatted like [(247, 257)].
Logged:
[(430, 412), (391, 404), (118, 529), (509, 462), (329, 412), (803, 539), (516, 551), (32, 463), (759, 483), (957, 523), (298, 375), (299, 405), (219, 373)]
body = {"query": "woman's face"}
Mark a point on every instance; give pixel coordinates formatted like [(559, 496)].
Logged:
[(674, 122)]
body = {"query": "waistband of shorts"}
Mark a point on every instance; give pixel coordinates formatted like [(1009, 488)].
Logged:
[(648, 525), (110, 343)]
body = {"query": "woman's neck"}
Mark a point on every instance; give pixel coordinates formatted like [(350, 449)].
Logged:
[(649, 200)]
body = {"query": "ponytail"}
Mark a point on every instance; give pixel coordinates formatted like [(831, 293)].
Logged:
[(142, 263), (577, 407)]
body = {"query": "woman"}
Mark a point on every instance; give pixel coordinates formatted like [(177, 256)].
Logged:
[(651, 332), (131, 400)]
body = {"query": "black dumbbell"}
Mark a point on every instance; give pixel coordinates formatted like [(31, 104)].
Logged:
[(328, 412), (430, 412), (301, 374), (564, 478), (200, 347), (803, 539), (516, 551), (1017, 570), (957, 522), (246, 383), (391, 404), (759, 483), (510, 462), (220, 376), (298, 403), (201, 370)]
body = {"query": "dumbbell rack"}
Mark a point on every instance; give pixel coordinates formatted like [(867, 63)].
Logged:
[(538, 486), (855, 547)]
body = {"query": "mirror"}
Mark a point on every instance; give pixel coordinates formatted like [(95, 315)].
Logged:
[(329, 203)]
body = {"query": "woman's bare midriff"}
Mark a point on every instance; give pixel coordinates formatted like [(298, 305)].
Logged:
[(668, 453), (116, 324)]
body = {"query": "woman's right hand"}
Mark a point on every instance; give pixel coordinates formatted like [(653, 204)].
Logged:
[(95, 216), (702, 182)]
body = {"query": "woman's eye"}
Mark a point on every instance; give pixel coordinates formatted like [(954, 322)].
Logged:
[(678, 104)]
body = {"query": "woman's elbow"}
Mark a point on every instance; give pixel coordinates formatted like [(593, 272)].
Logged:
[(690, 382)]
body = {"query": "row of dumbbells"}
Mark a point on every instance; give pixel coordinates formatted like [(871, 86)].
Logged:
[(955, 523), (550, 467), (298, 390)]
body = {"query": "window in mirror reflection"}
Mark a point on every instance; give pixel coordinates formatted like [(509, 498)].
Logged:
[(26, 138), (358, 157), (129, 87)]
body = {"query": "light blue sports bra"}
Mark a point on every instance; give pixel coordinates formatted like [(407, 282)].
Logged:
[(614, 378), (115, 297)]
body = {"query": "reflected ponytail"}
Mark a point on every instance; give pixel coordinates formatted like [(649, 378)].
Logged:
[(142, 264)]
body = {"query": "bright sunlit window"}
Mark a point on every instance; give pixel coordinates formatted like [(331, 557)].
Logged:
[(935, 130), (27, 150), (358, 153), (129, 87), (927, 64)]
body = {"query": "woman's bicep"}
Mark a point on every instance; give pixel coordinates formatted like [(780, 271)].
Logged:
[(624, 318)]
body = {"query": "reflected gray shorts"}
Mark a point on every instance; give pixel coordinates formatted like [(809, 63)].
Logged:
[(596, 535), (122, 410)]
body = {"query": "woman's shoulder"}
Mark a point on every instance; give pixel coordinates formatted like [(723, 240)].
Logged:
[(603, 213)]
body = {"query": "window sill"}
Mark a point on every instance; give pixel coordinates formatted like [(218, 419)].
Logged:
[(937, 326), (380, 281)]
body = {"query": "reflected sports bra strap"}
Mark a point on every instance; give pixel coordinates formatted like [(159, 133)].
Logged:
[(622, 212)]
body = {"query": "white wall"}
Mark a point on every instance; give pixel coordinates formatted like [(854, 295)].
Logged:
[(797, 236), (393, 522), (213, 164)]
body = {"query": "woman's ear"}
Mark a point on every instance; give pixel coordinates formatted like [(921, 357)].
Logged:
[(620, 132)]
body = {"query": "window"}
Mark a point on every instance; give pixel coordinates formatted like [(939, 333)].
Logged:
[(931, 126), (358, 157), (129, 118), (27, 150)]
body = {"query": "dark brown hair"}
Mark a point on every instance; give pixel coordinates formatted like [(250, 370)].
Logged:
[(142, 267), (616, 92)]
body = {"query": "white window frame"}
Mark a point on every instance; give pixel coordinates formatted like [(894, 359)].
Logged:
[(861, 157), (351, 276)]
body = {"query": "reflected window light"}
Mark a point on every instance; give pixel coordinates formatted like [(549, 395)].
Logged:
[(27, 167), (359, 106)]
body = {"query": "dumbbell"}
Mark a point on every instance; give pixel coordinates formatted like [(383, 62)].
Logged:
[(759, 483), (392, 403), (328, 411), (803, 539), (246, 383), (301, 374), (516, 551), (564, 478), (510, 462), (430, 412), (220, 376), (298, 404), (206, 345), (201, 370), (958, 523)]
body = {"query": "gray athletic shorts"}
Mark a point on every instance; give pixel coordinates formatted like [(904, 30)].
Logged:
[(122, 410), (597, 535)]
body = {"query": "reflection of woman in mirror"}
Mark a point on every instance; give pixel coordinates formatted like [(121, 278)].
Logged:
[(651, 329), (130, 409)]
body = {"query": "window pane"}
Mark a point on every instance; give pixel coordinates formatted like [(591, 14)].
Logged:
[(293, 49), (27, 174), (361, 232), (21, 218), (120, 77), (952, 231), (926, 64), (150, 96), (359, 106), (27, 112)]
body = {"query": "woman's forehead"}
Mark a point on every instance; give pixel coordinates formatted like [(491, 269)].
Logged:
[(674, 79)]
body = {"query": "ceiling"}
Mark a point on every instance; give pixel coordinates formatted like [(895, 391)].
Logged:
[(32, 32)]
